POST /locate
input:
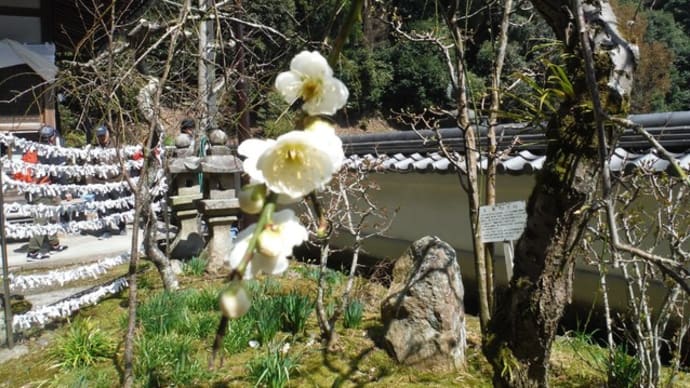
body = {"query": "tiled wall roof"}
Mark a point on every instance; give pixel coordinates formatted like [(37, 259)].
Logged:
[(408, 151)]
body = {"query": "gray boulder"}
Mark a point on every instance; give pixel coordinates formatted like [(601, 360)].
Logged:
[(424, 314)]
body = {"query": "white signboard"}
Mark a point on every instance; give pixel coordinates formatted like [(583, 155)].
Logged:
[(502, 222)]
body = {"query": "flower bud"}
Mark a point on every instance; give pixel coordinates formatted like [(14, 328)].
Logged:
[(318, 126), (235, 302), (252, 198), (270, 242)]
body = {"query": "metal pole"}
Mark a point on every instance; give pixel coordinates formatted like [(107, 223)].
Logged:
[(5, 266)]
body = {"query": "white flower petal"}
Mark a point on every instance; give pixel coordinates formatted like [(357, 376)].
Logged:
[(311, 79), (320, 127), (253, 147), (235, 302), (252, 198), (311, 64), (289, 233), (289, 84), (333, 146), (270, 242), (240, 246), (286, 199), (291, 230), (269, 265)]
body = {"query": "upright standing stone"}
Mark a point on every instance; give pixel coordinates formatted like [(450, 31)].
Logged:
[(423, 314)]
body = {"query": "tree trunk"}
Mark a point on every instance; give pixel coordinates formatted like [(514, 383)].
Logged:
[(527, 314), (155, 255), (455, 22)]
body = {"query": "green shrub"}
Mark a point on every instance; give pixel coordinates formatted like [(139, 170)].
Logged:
[(196, 266), (295, 310), (82, 345), (352, 317), (272, 369), (239, 334), (166, 360)]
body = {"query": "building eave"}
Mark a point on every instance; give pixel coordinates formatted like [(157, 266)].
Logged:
[(418, 151)]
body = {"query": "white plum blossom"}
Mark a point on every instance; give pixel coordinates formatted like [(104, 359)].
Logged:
[(284, 233), (300, 162), (311, 79), (296, 163)]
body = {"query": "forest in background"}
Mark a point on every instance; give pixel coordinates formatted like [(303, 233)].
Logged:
[(393, 62)]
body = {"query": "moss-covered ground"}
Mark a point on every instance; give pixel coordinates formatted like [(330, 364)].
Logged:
[(173, 349)]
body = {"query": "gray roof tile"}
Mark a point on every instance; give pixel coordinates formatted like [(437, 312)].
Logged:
[(406, 151)]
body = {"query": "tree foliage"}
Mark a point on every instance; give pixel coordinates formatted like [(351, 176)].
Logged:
[(387, 74)]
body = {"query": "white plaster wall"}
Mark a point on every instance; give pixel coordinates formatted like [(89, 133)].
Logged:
[(435, 204)]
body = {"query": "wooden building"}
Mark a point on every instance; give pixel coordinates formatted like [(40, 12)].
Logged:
[(33, 34)]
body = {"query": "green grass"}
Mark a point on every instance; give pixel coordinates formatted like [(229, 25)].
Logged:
[(203, 300), (164, 312)]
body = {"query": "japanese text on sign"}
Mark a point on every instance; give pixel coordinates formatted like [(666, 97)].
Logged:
[(503, 221)]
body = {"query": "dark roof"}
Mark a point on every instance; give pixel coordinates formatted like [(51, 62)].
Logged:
[(409, 151)]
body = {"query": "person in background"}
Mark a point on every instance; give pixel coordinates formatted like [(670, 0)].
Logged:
[(46, 135), (104, 141), (103, 137), (187, 126)]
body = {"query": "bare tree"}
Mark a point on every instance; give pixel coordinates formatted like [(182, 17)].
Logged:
[(656, 317), (350, 209)]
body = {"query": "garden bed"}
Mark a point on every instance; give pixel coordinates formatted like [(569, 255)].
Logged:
[(278, 339)]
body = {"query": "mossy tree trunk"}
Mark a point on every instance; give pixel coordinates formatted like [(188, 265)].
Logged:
[(527, 313)]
